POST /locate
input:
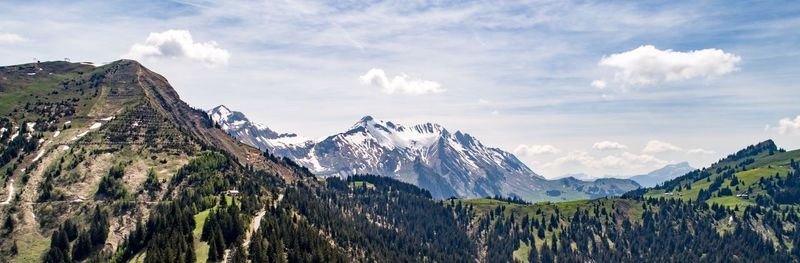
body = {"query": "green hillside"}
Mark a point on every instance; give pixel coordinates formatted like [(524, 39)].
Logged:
[(741, 179), (694, 222)]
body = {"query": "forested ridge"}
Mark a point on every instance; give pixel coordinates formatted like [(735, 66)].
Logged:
[(754, 221)]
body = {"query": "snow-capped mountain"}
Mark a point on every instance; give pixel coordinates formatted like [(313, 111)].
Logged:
[(257, 135), (427, 155)]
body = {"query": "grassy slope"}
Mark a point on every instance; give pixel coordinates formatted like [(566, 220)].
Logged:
[(522, 253), (43, 87), (31, 248), (201, 247), (765, 165), (566, 194)]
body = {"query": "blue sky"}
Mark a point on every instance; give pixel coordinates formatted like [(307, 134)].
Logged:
[(673, 81)]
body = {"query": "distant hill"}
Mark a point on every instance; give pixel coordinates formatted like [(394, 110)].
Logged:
[(663, 174), (761, 173)]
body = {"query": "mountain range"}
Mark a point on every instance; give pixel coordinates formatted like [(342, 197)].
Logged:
[(663, 174), (448, 164), (108, 164)]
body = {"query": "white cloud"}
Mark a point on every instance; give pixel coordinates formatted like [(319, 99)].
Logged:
[(656, 146), (401, 83), (788, 125), (608, 145), (527, 150), (483, 102), (625, 161), (179, 44), (600, 84), (700, 151), (10, 38), (647, 65)]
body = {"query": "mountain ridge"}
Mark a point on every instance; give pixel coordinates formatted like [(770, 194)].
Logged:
[(109, 145), (427, 155)]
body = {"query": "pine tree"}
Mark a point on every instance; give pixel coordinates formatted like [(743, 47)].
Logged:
[(99, 226), (212, 251), (82, 247)]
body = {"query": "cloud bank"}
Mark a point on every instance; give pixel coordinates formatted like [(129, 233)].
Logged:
[(700, 151), (647, 65), (789, 126), (10, 38), (608, 145), (400, 84), (656, 146), (179, 44), (625, 160), (527, 150)]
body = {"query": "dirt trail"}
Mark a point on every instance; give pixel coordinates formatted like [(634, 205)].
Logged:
[(254, 227), (10, 192), (254, 224)]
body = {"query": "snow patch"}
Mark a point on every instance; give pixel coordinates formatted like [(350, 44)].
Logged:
[(30, 126), (55, 134), (311, 160), (286, 141), (107, 118), (221, 113), (95, 126), (39, 155), (80, 135)]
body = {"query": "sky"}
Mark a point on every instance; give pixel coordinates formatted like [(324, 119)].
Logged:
[(591, 88)]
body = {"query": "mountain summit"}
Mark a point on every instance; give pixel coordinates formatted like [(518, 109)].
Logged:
[(428, 155)]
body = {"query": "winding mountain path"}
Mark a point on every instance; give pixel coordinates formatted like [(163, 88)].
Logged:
[(10, 192), (257, 222), (253, 227)]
